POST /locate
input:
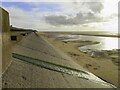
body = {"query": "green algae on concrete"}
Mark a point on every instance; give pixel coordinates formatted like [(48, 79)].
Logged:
[(50, 66), (60, 68)]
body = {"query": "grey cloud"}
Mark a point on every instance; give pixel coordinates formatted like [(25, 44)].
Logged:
[(79, 19), (94, 6), (90, 15)]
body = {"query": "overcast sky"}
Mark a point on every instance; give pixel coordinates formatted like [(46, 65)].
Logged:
[(66, 15)]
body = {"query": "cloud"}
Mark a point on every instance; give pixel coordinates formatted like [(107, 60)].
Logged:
[(75, 15), (24, 19), (95, 7), (81, 18), (89, 13)]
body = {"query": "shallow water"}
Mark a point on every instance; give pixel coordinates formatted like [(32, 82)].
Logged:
[(106, 43)]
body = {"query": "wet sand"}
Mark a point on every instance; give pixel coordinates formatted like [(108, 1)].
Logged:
[(105, 68)]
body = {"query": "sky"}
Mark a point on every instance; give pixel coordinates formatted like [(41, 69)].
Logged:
[(64, 15)]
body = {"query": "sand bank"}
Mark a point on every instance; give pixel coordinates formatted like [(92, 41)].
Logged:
[(103, 67)]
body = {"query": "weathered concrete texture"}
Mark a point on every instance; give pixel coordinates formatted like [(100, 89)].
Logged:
[(36, 47), (25, 75), (5, 41), (18, 36), (0, 48), (0, 42)]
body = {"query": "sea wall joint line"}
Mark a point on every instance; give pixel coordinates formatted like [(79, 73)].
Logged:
[(60, 68), (52, 66)]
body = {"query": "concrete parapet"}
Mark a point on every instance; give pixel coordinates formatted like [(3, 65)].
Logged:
[(5, 44)]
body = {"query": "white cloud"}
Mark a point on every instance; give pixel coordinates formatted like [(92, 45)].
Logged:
[(36, 19), (21, 18), (110, 7), (84, 12)]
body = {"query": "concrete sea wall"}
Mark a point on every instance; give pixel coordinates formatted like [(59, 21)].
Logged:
[(5, 43), (0, 42)]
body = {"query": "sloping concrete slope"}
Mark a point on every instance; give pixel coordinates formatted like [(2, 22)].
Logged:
[(24, 72)]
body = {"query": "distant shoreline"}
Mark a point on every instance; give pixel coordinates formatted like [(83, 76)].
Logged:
[(117, 36), (88, 33)]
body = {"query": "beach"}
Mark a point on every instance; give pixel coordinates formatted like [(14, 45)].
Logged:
[(105, 68), (36, 63)]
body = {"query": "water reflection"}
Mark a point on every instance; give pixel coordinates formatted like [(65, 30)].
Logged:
[(110, 43), (106, 43)]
